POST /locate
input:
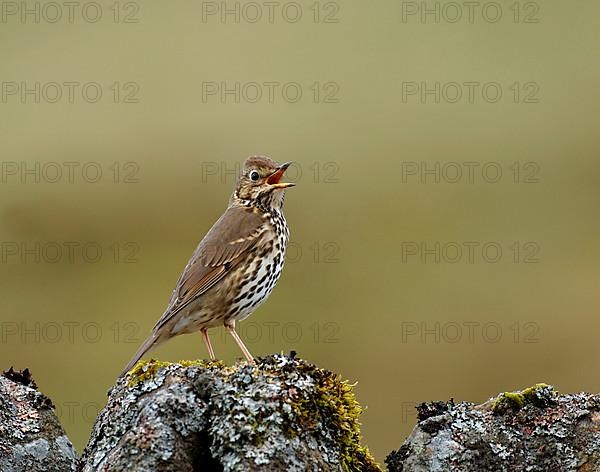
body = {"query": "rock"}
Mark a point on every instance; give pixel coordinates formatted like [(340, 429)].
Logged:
[(287, 414), (535, 429), (31, 437), (282, 414)]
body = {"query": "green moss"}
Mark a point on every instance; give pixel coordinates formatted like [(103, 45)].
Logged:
[(146, 370), (538, 395), (335, 408)]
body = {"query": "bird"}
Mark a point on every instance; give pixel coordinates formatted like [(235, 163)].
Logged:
[(236, 265)]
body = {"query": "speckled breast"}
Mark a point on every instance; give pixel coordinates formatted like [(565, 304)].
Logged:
[(254, 281)]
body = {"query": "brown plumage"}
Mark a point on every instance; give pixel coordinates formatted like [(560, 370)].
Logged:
[(235, 266)]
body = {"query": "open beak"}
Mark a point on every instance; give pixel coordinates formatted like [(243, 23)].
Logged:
[(274, 179)]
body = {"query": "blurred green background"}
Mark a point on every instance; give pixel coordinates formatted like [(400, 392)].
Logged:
[(351, 299)]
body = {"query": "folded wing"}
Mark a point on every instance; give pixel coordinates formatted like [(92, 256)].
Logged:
[(233, 235)]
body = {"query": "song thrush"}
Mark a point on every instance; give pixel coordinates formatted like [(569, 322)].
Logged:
[(237, 264)]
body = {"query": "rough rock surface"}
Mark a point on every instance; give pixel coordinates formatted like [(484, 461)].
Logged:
[(283, 414), (31, 437), (532, 430)]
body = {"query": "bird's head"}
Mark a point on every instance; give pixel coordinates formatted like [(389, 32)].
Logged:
[(260, 183)]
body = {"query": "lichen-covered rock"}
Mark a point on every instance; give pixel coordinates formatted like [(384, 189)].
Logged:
[(535, 429), (282, 414), (31, 437)]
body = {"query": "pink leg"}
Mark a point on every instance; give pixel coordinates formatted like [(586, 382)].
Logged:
[(211, 353), (231, 329)]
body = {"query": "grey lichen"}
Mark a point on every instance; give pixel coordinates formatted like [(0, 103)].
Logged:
[(31, 437), (534, 429), (282, 414)]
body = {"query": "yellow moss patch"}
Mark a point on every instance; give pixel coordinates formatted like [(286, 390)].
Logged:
[(146, 370), (517, 400)]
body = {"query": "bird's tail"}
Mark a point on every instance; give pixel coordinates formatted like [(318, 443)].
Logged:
[(147, 346)]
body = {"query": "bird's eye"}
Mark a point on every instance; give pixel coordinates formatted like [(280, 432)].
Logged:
[(254, 175)]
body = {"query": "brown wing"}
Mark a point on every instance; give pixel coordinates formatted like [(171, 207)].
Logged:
[(235, 233)]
